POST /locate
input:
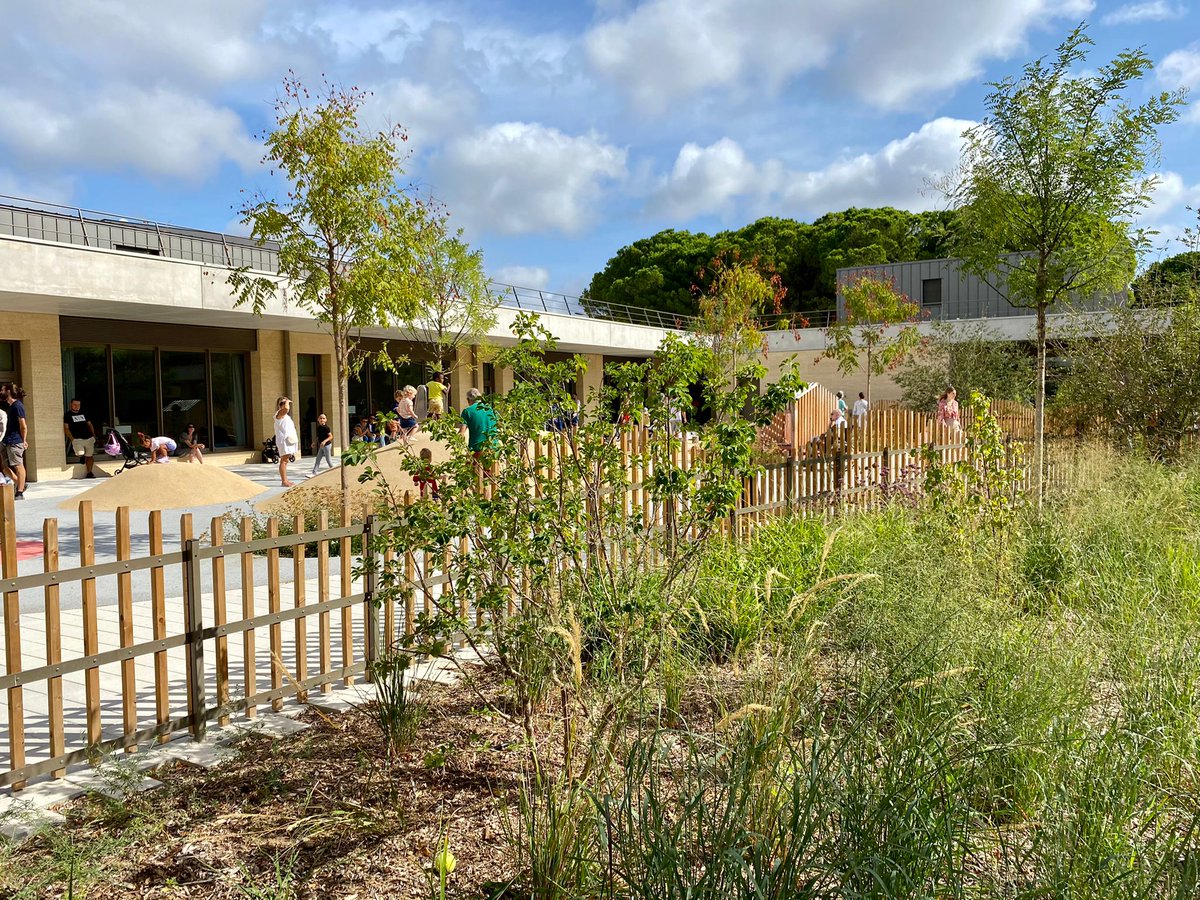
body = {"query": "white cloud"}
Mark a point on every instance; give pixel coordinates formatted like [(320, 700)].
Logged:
[(523, 178), (213, 42), (1181, 69), (889, 53), (1168, 213), (428, 112), (1149, 11), (706, 180), (157, 131), (524, 276)]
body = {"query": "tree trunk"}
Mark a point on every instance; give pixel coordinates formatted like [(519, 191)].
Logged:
[(339, 352), (1039, 409)]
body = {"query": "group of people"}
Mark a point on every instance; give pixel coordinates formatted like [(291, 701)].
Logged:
[(402, 424), (858, 413), (947, 410)]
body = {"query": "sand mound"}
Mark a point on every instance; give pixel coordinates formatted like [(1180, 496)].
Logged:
[(175, 485), (324, 490)]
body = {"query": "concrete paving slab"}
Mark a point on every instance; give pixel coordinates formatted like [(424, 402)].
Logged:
[(21, 826)]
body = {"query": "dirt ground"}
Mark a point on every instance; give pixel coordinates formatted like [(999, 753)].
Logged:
[(318, 814)]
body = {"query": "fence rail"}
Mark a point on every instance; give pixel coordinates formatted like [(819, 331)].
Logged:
[(176, 664)]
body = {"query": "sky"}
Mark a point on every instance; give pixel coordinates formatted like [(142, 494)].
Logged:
[(555, 131)]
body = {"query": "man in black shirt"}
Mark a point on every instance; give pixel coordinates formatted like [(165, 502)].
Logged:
[(82, 434)]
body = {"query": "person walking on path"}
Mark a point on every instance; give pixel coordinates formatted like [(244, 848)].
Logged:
[(82, 434), (16, 437), (286, 440), (841, 403), (324, 446), (437, 392), (947, 409), (479, 423), (860, 410)]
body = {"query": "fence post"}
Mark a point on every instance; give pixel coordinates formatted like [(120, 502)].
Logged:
[(370, 610), (194, 647)]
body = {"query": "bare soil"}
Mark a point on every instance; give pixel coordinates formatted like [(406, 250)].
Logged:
[(318, 814)]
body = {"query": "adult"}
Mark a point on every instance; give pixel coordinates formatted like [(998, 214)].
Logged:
[(947, 409), (286, 440), (841, 403), (16, 437), (161, 448), (859, 412), (478, 423), (324, 446), (436, 389), (836, 419), (82, 434), (190, 447)]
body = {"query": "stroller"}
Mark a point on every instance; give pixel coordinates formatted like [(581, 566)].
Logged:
[(270, 453), (117, 445)]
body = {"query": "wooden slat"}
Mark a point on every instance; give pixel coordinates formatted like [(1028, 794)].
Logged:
[(410, 571), (12, 633), (185, 535), (158, 625), (346, 568), (299, 589), (125, 625), (325, 653), (389, 604), (54, 687), (220, 615), (273, 604), (249, 663), (91, 637)]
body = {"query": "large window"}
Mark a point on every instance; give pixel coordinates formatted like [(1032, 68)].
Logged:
[(137, 389), (135, 398)]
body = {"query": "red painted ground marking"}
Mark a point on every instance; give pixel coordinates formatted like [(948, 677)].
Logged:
[(29, 549)]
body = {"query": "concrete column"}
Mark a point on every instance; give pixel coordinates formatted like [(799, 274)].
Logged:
[(466, 374), (39, 372), (267, 383), (504, 380), (590, 381)]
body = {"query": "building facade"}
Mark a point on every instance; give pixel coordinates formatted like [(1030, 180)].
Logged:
[(138, 322)]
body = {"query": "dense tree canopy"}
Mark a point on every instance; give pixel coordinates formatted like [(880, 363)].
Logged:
[(1171, 280), (662, 271)]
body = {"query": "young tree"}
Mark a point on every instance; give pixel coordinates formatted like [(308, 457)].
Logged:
[(878, 330), (346, 233), (459, 310), (971, 359), (1051, 181), (1136, 381)]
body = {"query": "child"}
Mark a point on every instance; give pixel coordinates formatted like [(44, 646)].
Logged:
[(405, 412), (160, 448), (425, 479)]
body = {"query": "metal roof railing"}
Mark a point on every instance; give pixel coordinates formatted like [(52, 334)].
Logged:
[(537, 300), (24, 218)]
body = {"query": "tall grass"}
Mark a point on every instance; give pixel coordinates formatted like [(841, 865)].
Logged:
[(890, 707)]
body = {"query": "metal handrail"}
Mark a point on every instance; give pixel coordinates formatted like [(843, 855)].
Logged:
[(81, 226)]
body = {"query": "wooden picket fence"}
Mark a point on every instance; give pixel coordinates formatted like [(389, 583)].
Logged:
[(106, 678)]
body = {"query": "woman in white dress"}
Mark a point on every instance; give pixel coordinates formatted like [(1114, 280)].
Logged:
[(287, 442)]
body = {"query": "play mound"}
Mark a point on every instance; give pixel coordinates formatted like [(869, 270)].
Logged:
[(174, 485), (324, 490)]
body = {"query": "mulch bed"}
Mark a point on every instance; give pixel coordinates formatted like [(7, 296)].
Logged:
[(323, 809)]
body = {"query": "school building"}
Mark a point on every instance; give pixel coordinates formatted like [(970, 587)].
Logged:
[(136, 319)]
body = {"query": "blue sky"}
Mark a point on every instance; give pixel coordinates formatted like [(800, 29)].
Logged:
[(556, 132)]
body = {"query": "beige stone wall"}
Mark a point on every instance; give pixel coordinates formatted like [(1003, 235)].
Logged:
[(825, 372), (39, 362)]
